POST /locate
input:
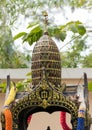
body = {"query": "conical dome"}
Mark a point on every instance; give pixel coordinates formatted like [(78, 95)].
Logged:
[(46, 55)]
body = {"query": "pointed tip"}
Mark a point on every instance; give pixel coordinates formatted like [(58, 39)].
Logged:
[(46, 33)]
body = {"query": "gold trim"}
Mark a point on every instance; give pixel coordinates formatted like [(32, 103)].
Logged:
[(45, 96)]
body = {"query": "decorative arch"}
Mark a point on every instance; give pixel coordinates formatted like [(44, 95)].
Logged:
[(43, 98)]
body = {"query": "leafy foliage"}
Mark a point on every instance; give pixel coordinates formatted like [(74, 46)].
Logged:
[(90, 86), (23, 85), (3, 87), (9, 58), (72, 57), (33, 36), (59, 32), (19, 35), (12, 10), (87, 61)]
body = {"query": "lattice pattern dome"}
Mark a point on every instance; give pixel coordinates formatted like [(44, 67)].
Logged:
[(46, 55)]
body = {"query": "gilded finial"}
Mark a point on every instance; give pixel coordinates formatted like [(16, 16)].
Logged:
[(45, 14)]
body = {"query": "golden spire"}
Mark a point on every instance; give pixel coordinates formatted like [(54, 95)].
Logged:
[(45, 14)]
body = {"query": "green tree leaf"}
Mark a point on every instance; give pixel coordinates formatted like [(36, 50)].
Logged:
[(34, 35), (81, 29), (32, 24), (87, 61), (90, 86), (29, 74), (62, 36), (72, 57), (73, 28), (19, 35)]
